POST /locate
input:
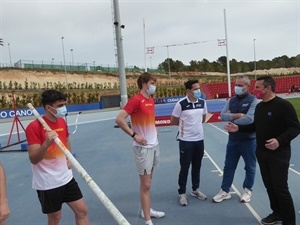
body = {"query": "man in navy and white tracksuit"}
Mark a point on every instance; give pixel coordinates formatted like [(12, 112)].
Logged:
[(189, 113)]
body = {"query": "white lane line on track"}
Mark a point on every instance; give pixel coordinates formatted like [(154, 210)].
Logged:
[(254, 213), (20, 132), (290, 168), (71, 124), (295, 171), (251, 209)]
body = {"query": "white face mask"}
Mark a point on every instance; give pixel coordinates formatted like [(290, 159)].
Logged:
[(238, 90), (151, 90), (61, 112)]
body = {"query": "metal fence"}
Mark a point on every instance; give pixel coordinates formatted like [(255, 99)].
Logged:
[(79, 67)]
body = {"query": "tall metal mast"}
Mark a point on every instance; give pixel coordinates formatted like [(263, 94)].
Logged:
[(120, 54)]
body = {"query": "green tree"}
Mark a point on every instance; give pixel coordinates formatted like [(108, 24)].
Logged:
[(178, 66), (244, 66), (194, 65), (174, 65), (222, 61), (205, 65), (234, 66)]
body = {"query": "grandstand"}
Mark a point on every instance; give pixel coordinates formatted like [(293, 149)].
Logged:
[(220, 90)]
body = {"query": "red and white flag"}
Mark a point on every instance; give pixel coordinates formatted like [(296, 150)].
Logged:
[(150, 50), (221, 42)]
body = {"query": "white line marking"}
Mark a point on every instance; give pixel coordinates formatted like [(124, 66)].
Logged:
[(295, 171), (291, 169), (71, 124), (254, 213), (218, 128)]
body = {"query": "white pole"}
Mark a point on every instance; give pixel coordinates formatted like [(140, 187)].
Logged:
[(150, 59), (121, 66), (254, 58), (9, 54), (72, 57), (145, 60), (1, 43), (227, 56), (169, 67), (62, 42)]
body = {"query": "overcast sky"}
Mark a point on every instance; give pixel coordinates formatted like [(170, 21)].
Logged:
[(34, 30)]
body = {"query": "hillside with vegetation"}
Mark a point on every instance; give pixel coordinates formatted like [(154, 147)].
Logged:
[(88, 87)]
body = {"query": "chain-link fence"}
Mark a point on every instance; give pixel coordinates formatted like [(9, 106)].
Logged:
[(75, 67)]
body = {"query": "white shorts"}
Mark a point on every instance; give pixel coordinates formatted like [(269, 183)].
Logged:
[(146, 158)]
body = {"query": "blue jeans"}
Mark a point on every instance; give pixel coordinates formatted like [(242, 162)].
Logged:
[(234, 150)]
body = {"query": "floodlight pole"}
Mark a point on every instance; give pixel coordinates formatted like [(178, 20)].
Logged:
[(254, 59), (227, 56), (63, 49), (1, 43), (9, 55), (169, 67), (120, 54), (150, 60), (145, 52), (72, 56), (52, 62)]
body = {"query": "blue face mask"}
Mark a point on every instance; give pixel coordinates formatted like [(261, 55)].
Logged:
[(151, 90), (238, 90), (197, 93), (61, 112)]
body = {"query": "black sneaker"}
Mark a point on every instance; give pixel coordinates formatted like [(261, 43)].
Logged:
[(271, 219)]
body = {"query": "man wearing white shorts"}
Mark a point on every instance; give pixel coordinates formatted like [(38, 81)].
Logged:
[(146, 158), (140, 108)]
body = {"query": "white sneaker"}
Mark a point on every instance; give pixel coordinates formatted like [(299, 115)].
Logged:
[(198, 194), (222, 195), (153, 213), (246, 196), (183, 200)]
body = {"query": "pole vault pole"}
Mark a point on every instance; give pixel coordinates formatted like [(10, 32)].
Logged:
[(100, 194)]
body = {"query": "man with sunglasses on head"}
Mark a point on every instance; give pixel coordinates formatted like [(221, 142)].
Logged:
[(52, 175), (240, 110), (189, 113), (276, 124)]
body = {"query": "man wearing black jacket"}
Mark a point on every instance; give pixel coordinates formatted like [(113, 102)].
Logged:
[(276, 125)]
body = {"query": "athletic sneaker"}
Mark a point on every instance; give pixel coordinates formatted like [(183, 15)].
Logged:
[(246, 197), (197, 193), (222, 195), (271, 219), (153, 213), (183, 200), (149, 223)]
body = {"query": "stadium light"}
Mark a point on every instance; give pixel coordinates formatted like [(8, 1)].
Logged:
[(63, 49), (254, 58), (72, 56), (9, 54)]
